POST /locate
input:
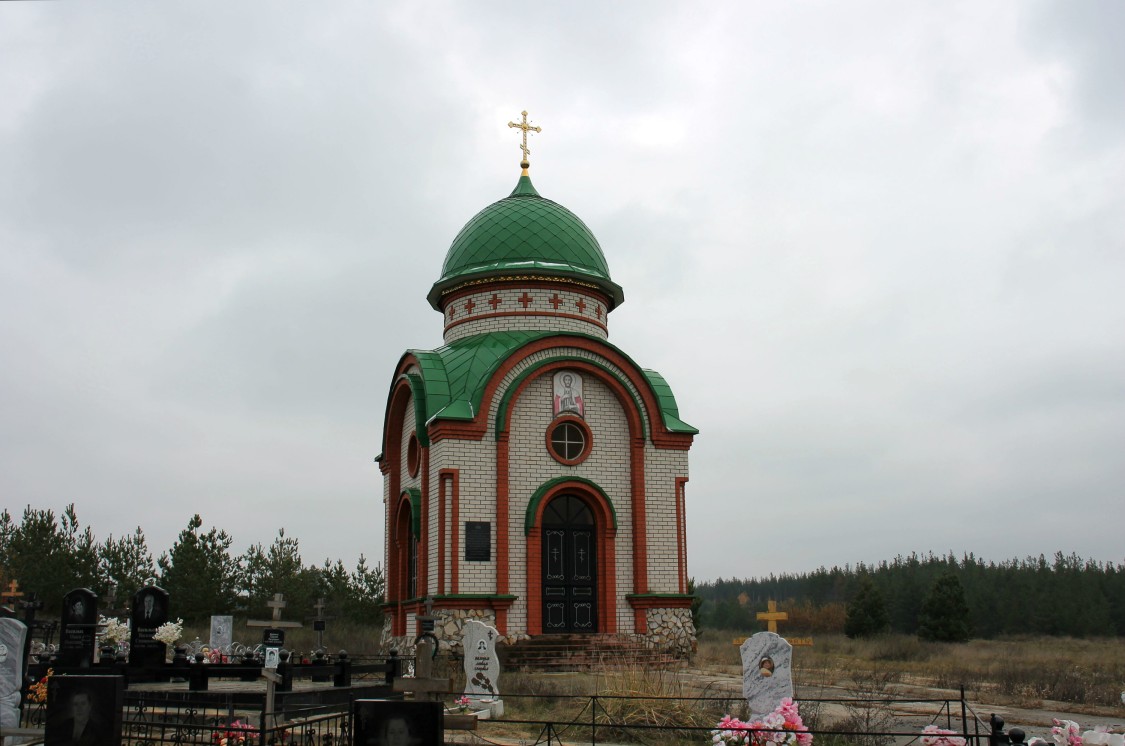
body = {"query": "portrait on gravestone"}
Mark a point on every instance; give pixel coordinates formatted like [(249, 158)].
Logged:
[(767, 674), (381, 722), (150, 610), (13, 633), (79, 628), (84, 710)]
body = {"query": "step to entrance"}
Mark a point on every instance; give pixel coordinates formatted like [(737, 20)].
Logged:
[(582, 653)]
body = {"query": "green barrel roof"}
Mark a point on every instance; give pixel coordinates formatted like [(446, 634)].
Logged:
[(522, 234)]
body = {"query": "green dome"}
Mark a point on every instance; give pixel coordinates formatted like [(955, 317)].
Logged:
[(525, 234)]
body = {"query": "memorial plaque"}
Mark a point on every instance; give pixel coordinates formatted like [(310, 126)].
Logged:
[(79, 628), (274, 637), (478, 541), (150, 610)]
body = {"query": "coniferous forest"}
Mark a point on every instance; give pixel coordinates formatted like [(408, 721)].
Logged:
[(1063, 595), (50, 555)]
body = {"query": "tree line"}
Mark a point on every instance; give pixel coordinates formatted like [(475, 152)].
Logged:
[(1067, 595), (50, 555)]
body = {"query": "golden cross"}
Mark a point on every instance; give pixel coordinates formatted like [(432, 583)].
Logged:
[(771, 616), (13, 591), (524, 164)]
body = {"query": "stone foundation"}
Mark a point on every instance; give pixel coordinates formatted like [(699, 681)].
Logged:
[(668, 629), (671, 630)]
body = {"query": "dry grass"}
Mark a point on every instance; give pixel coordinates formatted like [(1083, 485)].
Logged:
[(1025, 671)]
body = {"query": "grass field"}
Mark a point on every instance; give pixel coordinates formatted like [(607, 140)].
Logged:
[(1023, 671)]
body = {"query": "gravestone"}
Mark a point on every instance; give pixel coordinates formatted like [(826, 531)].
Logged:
[(222, 633), (84, 710), (150, 610), (79, 628), (767, 672), (482, 667), (13, 637)]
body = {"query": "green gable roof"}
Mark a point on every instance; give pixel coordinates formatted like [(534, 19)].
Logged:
[(525, 233), (454, 376)]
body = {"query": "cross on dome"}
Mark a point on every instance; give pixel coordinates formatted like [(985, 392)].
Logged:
[(525, 127)]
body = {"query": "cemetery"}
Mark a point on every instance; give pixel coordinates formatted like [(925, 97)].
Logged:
[(537, 589)]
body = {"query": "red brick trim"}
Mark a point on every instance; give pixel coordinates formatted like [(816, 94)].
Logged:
[(587, 434), (546, 283), (398, 537), (523, 314), (643, 603), (424, 539), (607, 563), (442, 482), (681, 531)]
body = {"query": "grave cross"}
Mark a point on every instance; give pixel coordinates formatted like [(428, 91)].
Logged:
[(111, 598), (319, 606), (13, 592), (277, 604), (771, 616)]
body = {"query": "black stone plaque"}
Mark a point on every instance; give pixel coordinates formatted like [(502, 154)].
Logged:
[(84, 710), (273, 637), (150, 610), (318, 625), (381, 722), (478, 541), (79, 627)]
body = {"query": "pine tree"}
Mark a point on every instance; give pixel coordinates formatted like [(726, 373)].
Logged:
[(945, 613), (199, 573), (866, 614)]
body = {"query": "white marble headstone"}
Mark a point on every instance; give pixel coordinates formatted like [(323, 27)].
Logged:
[(767, 672), (482, 667), (222, 631), (13, 634)]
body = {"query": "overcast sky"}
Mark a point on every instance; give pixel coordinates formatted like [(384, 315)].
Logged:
[(877, 249)]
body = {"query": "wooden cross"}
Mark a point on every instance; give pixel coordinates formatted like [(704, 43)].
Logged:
[(319, 606), (277, 604), (13, 592), (111, 597), (771, 616), (525, 127)]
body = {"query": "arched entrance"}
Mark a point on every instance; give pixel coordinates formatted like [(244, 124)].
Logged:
[(569, 569)]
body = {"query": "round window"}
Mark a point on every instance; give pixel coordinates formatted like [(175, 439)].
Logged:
[(413, 455), (569, 440)]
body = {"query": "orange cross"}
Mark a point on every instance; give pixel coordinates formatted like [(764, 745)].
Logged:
[(772, 616)]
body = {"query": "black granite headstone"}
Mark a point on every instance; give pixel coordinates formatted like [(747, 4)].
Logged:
[(79, 628), (84, 710), (150, 610)]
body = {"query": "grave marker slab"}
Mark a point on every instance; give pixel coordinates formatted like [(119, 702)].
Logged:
[(84, 710), (150, 610), (767, 672), (482, 666), (13, 637), (222, 632), (79, 628)]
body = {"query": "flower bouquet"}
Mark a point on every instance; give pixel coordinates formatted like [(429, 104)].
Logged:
[(935, 736), (236, 733), (462, 703), (782, 727)]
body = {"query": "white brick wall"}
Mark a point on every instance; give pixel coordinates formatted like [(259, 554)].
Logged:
[(531, 466), (662, 467), (540, 313)]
